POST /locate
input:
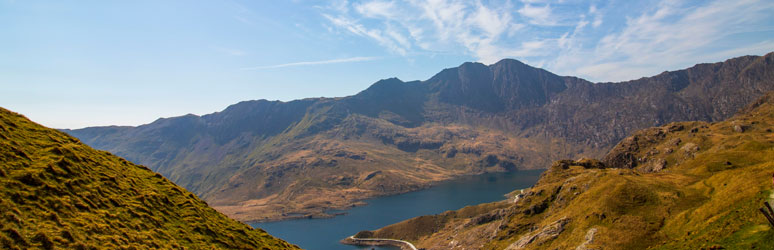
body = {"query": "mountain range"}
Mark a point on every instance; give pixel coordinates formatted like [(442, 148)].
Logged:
[(267, 160), (684, 185)]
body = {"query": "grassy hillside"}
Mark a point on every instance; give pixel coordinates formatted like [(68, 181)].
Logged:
[(56, 192), (689, 185)]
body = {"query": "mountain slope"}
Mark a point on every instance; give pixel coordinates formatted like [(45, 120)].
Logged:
[(687, 185), (261, 160), (59, 193)]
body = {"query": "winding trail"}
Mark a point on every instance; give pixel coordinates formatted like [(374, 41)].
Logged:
[(377, 241)]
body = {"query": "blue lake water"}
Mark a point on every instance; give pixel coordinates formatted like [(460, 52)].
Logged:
[(324, 234)]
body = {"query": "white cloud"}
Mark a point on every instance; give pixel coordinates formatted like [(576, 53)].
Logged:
[(672, 36), (378, 35), (308, 63), (377, 9), (432, 25), (564, 36), (538, 15), (597, 16)]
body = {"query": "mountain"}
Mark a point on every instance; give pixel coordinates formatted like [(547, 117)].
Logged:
[(685, 185), (58, 193), (267, 160)]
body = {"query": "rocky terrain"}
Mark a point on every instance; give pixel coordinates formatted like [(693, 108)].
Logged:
[(685, 185), (268, 160), (57, 193)]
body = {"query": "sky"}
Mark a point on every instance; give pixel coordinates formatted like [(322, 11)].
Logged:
[(73, 64)]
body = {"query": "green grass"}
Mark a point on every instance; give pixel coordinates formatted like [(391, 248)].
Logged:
[(704, 200), (697, 202), (59, 193)]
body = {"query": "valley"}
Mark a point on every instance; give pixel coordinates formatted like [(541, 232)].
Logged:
[(270, 160), (387, 125)]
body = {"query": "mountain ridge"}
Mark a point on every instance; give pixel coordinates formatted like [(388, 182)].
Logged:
[(308, 155)]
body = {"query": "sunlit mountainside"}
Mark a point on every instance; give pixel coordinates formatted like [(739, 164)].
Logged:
[(58, 193), (685, 185)]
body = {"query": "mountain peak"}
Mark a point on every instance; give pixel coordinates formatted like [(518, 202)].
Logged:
[(510, 61)]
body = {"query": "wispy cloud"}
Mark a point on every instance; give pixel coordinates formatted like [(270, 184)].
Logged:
[(308, 63), (567, 37), (538, 15), (383, 37), (436, 25), (597, 16), (672, 35)]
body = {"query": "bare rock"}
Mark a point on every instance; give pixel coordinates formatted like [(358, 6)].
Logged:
[(675, 127), (541, 236), (486, 218), (675, 142), (658, 165), (739, 127), (583, 162), (589, 240), (690, 149), (655, 165)]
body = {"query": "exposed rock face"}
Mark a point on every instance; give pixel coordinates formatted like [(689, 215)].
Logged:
[(583, 162), (739, 127), (255, 157), (657, 165), (546, 233), (589, 240), (689, 149)]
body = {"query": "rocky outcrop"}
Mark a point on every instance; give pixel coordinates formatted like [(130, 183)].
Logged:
[(589, 240), (546, 233), (583, 162)]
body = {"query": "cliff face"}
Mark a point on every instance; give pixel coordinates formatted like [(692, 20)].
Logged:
[(59, 193), (261, 160), (684, 185)]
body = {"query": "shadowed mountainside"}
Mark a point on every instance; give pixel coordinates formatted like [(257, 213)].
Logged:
[(59, 193), (264, 160), (686, 185)]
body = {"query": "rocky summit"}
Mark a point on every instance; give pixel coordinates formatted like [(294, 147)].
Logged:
[(268, 160)]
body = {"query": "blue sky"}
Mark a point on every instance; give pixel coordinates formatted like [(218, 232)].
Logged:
[(71, 64)]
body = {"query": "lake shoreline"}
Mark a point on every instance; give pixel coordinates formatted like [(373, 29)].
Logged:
[(316, 213), (382, 211)]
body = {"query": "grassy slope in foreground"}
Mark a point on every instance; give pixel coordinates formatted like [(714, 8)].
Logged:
[(692, 185), (59, 193)]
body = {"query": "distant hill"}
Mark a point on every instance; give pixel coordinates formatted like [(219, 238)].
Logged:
[(264, 160), (686, 185), (58, 193)]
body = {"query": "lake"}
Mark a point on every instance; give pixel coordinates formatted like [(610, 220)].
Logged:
[(324, 234)]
